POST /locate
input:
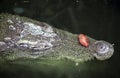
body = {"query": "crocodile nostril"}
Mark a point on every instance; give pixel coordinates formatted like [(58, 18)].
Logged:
[(102, 49)]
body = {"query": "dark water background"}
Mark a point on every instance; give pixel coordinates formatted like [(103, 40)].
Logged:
[(99, 19)]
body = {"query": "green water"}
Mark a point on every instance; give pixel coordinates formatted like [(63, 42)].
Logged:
[(51, 68)]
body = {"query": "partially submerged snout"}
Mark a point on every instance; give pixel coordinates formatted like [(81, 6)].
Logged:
[(102, 50), (21, 37)]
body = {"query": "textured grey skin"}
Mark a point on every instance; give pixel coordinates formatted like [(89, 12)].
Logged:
[(21, 37)]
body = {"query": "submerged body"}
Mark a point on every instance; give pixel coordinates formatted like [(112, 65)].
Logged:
[(22, 37)]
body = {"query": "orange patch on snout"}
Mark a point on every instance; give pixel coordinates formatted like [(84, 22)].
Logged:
[(83, 39)]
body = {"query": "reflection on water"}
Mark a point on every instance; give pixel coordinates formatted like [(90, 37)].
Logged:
[(96, 18), (54, 69)]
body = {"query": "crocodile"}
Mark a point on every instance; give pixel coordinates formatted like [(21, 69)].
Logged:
[(25, 38)]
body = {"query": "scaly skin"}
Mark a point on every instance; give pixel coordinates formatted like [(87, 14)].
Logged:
[(65, 44)]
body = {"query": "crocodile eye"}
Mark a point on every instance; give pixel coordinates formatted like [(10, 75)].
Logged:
[(23, 46)]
